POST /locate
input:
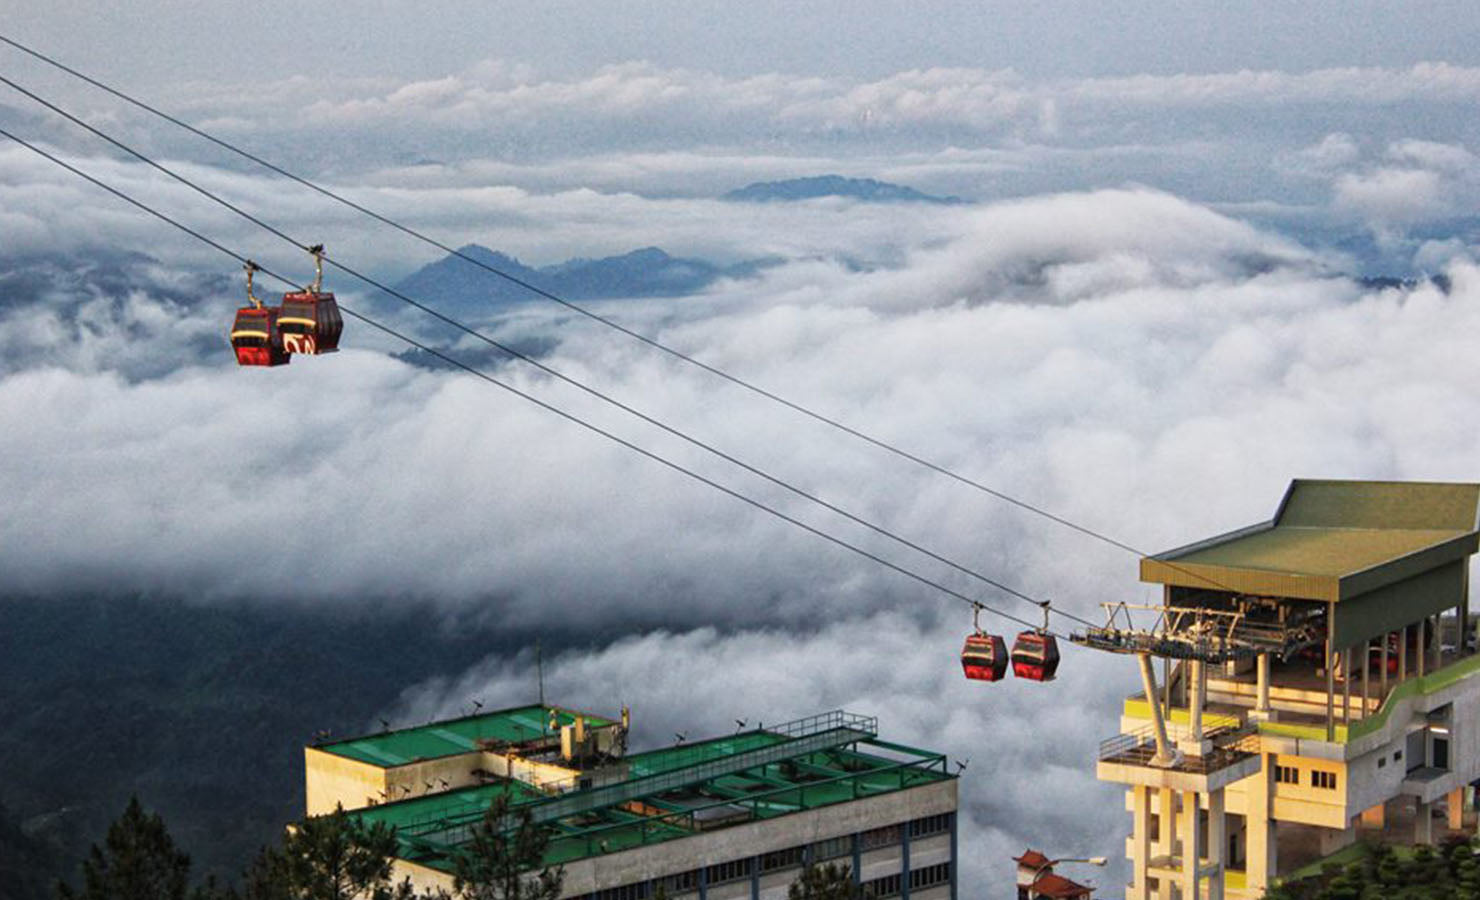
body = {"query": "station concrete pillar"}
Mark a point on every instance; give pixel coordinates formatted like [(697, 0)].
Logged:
[(1260, 854), (1217, 843), (1423, 822), (1262, 680), (1456, 809), (1191, 846), (1138, 889)]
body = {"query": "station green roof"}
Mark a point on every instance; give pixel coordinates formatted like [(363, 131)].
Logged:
[(455, 736), (1332, 540)]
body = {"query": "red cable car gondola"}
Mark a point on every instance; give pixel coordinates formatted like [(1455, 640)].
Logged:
[(309, 320), (984, 658), (1035, 654), (254, 333)]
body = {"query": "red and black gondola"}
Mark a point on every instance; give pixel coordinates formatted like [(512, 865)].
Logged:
[(984, 658), (1035, 656), (310, 320), (255, 335)]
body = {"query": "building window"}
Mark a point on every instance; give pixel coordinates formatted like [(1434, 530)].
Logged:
[(888, 886), (1286, 775), (832, 848), (781, 859), (930, 876), (1325, 780), (682, 883), (929, 825), (733, 870), (879, 837), (638, 891)]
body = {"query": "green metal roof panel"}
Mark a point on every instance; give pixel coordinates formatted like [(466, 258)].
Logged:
[(1386, 505), (466, 801), (450, 738), (1332, 540)]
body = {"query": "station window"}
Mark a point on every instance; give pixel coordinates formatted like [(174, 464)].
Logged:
[(1325, 780), (1382, 762), (1286, 775)]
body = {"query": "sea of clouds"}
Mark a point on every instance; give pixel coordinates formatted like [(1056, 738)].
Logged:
[(1148, 365)]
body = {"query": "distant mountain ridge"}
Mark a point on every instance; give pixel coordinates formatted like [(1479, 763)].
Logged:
[(454, 284), (866, 189)]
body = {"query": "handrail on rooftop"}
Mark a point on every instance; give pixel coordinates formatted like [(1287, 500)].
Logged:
[(824, 731)]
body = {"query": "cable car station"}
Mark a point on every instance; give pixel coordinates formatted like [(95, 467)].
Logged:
[(1318, 676)]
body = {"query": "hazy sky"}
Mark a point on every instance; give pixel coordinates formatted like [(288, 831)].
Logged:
[(151, 42)]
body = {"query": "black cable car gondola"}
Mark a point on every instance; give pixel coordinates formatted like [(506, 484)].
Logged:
[(309, 320), (1035, 654), (984, 658), (254, 334)]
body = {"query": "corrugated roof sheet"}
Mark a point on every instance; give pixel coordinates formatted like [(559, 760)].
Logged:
[(452, 737), (1332, 539)]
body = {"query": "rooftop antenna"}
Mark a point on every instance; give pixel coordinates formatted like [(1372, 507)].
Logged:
[(539, 667)]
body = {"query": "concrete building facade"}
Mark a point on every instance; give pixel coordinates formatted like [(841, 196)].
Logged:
[(1328, 680)]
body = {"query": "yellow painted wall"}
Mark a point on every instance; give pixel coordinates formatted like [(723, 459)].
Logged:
[(332, 780), (1301, 802)]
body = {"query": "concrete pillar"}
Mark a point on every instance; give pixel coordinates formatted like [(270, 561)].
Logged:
[(1366, 665), (1383, 673), (1421, 651), (1167, 821), (1403, 655), (1140, 842), (1195, 702), (1456, 809), (1438, 644), (1217, 844), (1262, 680), (1260, 855), (1191, 846), (1346, 686), (1423, 823), (1330, 671), (1333, 839)]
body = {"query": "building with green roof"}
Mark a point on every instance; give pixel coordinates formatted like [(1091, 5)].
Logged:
[(729, 818)]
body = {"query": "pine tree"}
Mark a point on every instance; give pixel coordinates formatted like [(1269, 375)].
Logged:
[(329, 857), (138, 861), (501, 859), (825, 882)]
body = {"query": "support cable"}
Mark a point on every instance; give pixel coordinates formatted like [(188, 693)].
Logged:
[(736, 380), (570, 417), (549, 370)]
